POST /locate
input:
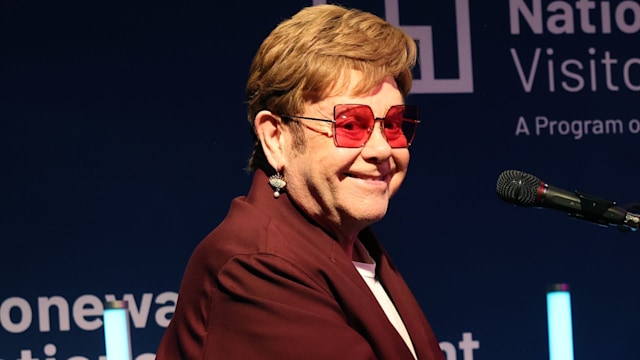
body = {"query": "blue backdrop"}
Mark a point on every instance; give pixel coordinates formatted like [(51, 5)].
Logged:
[(124, 138)]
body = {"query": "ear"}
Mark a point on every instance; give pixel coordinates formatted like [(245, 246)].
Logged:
[(269, 130)]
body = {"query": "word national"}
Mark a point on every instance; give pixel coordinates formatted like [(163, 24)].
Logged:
[(583, 16)]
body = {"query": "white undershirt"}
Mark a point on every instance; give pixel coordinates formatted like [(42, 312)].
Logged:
[(368, 273)]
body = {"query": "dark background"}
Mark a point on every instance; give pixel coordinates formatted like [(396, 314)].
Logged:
[(124, 137)]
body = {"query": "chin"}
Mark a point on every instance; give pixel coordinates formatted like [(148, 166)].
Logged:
[(371, 214)]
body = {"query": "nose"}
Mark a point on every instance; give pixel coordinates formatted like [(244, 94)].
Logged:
[(377, 146)]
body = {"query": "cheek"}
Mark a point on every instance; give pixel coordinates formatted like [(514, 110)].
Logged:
[(396, 181), (401, 159), (331, 160), (319, 163), (402, 164)]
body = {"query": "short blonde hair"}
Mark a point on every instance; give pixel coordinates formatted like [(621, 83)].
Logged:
[(305, 57)]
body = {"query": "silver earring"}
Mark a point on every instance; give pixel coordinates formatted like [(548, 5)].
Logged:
[(277, 182)]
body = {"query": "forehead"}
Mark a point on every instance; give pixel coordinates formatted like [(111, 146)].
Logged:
[(353, 83), (379, 97)]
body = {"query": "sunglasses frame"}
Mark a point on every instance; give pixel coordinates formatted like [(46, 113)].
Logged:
[(370, 130)]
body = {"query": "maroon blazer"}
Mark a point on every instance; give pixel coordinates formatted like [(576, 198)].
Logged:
[(268, 283)]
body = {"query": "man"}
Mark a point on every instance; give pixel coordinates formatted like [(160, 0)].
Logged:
[(294, 271)]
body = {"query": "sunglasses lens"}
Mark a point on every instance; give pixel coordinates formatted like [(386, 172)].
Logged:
[(400, 125), (352, 125)]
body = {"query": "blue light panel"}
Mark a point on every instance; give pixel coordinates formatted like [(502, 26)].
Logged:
[(116, 331), (559, 323)]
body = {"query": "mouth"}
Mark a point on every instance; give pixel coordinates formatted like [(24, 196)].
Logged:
[(368, 177)]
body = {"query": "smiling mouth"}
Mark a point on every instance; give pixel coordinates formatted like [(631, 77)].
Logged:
[(365, 177)]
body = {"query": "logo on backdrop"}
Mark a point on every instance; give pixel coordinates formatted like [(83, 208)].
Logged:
[(555, 68), (52, 319), (583, 71), (428, 83), (56, 317)]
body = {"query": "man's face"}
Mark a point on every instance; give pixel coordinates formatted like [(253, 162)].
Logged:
[(346, 189)]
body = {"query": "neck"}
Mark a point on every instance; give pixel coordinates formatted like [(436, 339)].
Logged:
[(357, 252)]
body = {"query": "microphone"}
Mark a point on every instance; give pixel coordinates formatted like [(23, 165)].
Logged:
[(526, 190)]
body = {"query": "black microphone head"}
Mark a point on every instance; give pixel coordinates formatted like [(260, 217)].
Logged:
[(518, 188)]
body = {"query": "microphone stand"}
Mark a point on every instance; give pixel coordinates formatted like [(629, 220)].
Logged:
[(632, 219), (605, 212)]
